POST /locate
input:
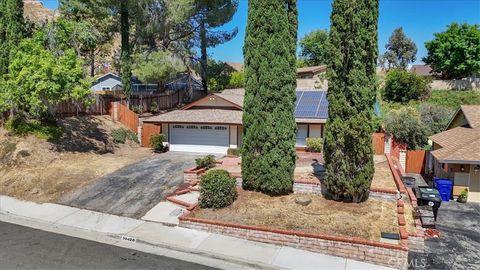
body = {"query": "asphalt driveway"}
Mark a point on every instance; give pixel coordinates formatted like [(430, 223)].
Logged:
[(458, 246), (134, 189)]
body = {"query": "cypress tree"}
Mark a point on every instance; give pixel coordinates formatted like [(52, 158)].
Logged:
[(268, 149), (12, 30), (351, 94)]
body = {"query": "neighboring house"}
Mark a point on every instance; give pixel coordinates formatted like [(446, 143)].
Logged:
[(456, 152), (214, 123), (113, 82), (311, 77), (235, 66), (422, 70)]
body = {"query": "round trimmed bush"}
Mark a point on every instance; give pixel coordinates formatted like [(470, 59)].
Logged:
[(217, 189)]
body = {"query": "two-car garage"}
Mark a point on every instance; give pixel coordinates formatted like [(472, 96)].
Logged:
[(199, 138)]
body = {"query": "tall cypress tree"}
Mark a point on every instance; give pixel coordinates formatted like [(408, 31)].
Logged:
[(12, 30), (351, 94), (268, 150)]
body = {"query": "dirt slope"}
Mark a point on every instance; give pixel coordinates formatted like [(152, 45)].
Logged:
[(37, 170)]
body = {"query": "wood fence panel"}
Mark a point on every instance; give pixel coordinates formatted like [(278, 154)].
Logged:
[(128, 118), (378, 140), (147, 131), (416, 161)]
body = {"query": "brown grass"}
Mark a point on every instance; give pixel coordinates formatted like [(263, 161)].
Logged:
[(53, 169), (365, 220), (383, 177), (409, 217)]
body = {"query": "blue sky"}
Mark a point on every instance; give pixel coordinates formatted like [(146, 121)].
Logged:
[(420, 19)]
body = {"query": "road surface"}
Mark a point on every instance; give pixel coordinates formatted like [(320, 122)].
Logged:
[(27, 248)]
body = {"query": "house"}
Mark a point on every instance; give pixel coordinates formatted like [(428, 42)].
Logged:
[(456, 152), (214, 123), (235, 66), (311, 77), (421, 70), (112, 82)]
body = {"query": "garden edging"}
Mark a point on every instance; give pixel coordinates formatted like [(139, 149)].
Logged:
[(392, 255)]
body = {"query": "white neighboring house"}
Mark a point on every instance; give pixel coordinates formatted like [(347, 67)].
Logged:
[(110, 82)]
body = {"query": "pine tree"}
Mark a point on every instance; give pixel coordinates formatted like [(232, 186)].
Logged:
[(12, 30), (268, 151), (352, 86)]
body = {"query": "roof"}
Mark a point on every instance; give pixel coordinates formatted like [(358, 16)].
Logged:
[(312, 69), (115, 76), (234, 96), (210, 116), (472, 113), (422, 70), (459, 144), (235, 65)]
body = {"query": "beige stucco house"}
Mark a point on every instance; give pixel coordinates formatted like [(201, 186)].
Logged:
[(214, 123), (456, 152)]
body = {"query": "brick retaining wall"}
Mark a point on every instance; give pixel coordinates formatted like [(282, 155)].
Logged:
[(369, 251)]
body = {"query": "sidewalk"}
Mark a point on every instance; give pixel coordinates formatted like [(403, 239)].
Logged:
[(180, 243)]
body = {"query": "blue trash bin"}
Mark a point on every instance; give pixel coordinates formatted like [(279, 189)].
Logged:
[(444, 187)]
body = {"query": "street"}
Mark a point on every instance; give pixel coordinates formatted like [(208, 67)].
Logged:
[(27, 248)]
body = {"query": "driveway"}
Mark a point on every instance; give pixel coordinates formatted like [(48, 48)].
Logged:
[(459, 243), (136, 188)]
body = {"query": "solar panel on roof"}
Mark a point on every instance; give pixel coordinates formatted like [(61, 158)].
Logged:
[(311, 104)]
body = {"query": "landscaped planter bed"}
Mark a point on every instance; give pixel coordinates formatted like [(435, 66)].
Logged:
[(341, 229)]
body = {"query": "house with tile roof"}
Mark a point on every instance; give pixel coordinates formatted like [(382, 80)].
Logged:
[(214, 123), (456, 152)]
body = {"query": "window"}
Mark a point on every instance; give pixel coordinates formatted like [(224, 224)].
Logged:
[(206, 127), (220, 128), (192, 127), (177, 126), (106, 88)]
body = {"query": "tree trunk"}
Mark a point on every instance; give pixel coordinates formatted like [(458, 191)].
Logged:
[(92, 63), (126, 69), (203, 59)]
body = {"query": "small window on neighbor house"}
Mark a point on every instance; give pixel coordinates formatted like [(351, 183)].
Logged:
[(192, 127), (106, 88), (206, 127), (220, 128), (177, 126)]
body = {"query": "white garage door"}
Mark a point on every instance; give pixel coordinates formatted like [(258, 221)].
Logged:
[(199, 138)]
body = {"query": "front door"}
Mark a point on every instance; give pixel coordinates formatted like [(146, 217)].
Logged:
[(302, 133)]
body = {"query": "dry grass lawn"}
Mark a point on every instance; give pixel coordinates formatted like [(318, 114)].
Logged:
[(383, 177), (37, 170), (365, 220)]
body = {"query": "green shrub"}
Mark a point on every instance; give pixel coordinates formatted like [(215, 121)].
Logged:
[(154, 107), (454, 98), (121, 135), (138, 109), (233, 152), (41, 130), (315, 144), (217, 189), (406, 126), (403, 86), (23, 153), (206, 162), (156, 141)]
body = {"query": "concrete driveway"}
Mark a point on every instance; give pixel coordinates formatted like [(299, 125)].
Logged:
[(136, 188), (458, 246)]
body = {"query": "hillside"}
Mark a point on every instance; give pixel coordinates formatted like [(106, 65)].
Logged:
[(35, 11)]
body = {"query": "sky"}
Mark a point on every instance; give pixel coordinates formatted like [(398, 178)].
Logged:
[(420, 19)]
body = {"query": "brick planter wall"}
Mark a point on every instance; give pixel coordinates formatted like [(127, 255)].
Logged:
[(374, 252)]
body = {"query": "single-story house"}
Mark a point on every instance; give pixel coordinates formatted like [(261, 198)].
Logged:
[(311, 77), (214, 123), (112, 82), (456, 152)]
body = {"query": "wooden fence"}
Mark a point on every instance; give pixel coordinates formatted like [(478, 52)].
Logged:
[(416, 160), (126, 116), (378, 141), (147, 131), (102, 103)]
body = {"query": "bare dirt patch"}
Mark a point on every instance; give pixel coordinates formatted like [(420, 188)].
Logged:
[(42, 171), (383, 177), (365, 220)]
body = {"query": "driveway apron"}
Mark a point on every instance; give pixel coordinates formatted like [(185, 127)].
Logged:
[(134, 189)]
